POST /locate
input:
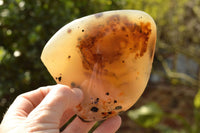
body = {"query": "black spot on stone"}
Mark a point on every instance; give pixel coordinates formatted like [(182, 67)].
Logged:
[(82, 30), (94, 109), (73, 84), (123, 28), (69, 56), (59, 78), (96, 101), (107, 93), (123, 61), (103, 113), (115, 101), (110, 112), (118, 107)]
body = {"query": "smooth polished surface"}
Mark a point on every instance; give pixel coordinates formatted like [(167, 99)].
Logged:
[(108, 55)]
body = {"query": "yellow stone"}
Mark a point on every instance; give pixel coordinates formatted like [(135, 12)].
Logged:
[(108, 56)]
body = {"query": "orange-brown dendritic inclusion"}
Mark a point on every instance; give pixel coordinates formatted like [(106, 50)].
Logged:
[(118, 37), (104, 44)]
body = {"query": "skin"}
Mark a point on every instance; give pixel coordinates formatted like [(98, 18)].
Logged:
[(47, 109)]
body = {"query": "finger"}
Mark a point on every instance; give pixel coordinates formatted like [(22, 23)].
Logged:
[(78, 126), (111, 125), (68, 114), (26, 102), (53, 106)]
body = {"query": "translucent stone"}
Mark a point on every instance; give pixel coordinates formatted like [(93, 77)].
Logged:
[(108, 56)]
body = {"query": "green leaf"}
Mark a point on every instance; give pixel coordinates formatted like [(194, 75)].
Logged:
[(2, 53), (33, 37), (197, 100), (147, 116)]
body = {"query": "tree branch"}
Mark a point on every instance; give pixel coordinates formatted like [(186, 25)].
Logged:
[(177, 75)]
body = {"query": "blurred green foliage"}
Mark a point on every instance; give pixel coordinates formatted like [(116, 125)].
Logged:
[(26, 26), (197, 100), (150, 116), (147, 116)]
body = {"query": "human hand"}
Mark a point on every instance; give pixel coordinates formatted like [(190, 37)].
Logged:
[(47, 109)]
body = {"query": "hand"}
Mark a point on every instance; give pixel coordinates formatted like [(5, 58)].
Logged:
[(47, 109)]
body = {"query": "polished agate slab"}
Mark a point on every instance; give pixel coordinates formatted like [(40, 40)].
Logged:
[(108, 56)]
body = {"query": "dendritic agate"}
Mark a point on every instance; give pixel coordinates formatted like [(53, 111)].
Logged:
[(108, 55)]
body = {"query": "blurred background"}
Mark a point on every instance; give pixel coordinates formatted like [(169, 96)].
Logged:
[(171, 101)]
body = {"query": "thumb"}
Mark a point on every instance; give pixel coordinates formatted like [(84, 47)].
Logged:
[(56, 102)]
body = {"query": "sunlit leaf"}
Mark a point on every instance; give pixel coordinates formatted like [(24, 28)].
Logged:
[(147, 116), (197, 100), (2, 53)]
